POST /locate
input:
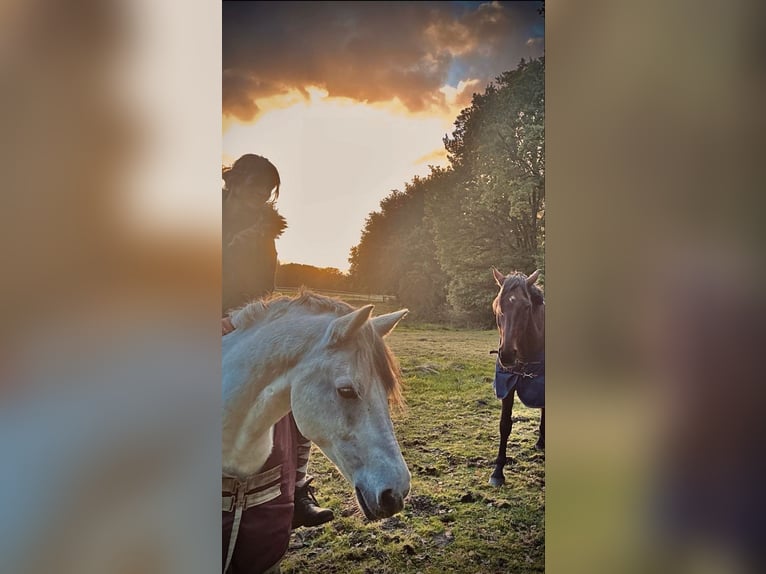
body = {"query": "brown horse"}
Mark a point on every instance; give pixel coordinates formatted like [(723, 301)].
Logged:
[(520, 314)]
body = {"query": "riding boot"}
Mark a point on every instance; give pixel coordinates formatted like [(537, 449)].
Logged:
[(307, 510)]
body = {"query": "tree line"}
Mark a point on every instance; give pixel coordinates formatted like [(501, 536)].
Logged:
[(433, 244), (322, 278)]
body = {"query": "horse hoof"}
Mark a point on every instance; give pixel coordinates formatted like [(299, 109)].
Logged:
[(496, 481)]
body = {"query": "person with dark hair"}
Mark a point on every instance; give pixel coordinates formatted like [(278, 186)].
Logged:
[(251, 225)]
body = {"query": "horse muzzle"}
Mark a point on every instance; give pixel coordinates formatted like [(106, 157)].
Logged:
[(382, 494), (506, 358), (382, 504)]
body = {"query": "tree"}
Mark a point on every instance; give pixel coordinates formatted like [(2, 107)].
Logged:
[(396, 254), (433, 244), (493, 211), (299, 275)]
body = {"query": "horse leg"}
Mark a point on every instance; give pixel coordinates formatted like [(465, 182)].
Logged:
[(541, 440), (498, 478)]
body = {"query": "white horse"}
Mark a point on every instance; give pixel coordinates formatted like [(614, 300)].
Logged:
[(329, 365)]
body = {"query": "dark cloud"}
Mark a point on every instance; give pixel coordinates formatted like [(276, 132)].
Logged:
[(370, 51)]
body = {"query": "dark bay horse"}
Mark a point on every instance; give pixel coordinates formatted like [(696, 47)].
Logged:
[(520, 314)]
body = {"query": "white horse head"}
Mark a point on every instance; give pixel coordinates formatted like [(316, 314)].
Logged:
[(327, 363)]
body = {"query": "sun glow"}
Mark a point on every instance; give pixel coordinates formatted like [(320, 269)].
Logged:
[(337, 158)]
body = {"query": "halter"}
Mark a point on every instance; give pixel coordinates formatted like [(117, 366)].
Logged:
[(518, 367)]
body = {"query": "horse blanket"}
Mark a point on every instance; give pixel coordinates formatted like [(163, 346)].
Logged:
[(528, 379), (264, 532)]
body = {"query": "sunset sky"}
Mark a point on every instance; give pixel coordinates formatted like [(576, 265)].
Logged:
[(351, 100)]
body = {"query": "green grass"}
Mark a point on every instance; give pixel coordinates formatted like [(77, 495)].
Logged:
[(453, 521)]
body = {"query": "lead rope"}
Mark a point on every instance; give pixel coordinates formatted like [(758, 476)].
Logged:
[(239, 507)]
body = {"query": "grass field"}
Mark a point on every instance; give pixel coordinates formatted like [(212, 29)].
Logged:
[(453, 521)]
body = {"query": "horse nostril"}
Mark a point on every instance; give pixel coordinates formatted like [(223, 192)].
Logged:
[(390, 502)]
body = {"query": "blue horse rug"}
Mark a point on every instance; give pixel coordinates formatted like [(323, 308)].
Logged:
[(528, 379)]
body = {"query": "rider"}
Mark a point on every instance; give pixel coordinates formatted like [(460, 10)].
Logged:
[(251, 224)]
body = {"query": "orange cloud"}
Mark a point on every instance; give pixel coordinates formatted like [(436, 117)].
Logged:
[(436, 157), (370, 52)]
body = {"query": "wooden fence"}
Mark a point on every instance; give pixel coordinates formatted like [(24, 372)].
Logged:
[(345, 295)]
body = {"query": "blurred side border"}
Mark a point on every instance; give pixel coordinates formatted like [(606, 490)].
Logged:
[(110, 362)]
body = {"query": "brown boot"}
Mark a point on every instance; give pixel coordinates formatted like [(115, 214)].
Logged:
[(307, 510)]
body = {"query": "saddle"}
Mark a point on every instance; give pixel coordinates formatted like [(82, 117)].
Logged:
[(528, 379)]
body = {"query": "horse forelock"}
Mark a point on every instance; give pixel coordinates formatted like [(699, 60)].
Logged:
[(372, 350), (518, 279), (387, 368)]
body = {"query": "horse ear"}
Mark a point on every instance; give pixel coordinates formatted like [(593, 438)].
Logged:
[(499, 277), (384, 324), (533, 278), (342, 328)]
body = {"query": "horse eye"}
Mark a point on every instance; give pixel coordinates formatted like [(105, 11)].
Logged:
[(348, 392)]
